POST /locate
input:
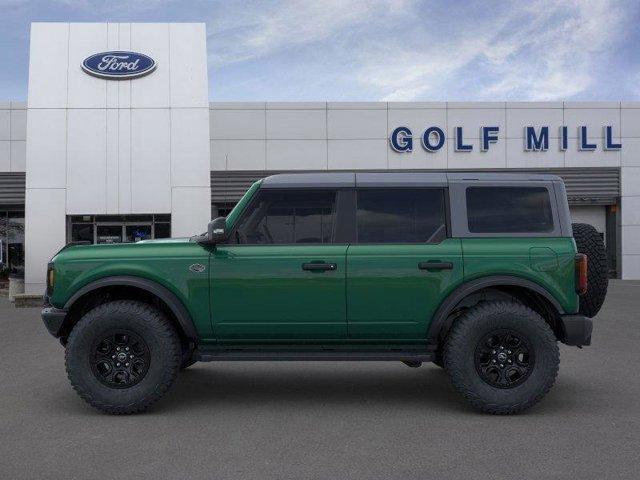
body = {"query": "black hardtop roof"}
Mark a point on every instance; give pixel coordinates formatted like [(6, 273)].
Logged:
[(396, 179)]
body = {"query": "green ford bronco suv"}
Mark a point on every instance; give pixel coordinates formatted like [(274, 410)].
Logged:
[(480, 273)]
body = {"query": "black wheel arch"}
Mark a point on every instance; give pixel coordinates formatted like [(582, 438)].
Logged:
[(441, 319), (173, 304)]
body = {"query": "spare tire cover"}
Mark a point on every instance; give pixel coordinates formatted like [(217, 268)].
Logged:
[(589, 242)]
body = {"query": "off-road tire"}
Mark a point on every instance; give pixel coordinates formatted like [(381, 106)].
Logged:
[(469, 331), (187, 360), (589, 242), (438, 358), (147, 323)]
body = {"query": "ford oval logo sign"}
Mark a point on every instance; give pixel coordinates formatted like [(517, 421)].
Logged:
[(118, 65)]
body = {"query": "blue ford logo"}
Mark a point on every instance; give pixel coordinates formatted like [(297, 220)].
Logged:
[(118, 65)]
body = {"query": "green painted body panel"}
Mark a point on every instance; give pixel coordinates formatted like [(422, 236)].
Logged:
[(389, 297), (163, 261), (549, 262), (262, 293)]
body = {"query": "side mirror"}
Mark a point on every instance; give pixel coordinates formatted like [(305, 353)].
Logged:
[(217, 230)]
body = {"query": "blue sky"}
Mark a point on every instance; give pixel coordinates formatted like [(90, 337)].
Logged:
[(363, 50)]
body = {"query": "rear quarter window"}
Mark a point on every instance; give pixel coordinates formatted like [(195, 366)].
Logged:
[(509, 210)]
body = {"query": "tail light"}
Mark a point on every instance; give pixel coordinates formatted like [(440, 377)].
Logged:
[(581, 273)]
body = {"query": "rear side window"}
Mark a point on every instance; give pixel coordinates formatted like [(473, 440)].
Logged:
[(509, 210), (401, 215), (286, 217)]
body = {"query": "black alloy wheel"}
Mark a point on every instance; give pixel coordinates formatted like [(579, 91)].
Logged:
[(504, 358), (120, 359)]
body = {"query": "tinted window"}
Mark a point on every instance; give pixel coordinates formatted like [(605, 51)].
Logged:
[(401, 216), (509, 210), (285, 217)]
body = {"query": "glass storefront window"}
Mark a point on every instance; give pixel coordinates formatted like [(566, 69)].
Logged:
[(82, 232), (117, 228), (163, 230), (11, 242), (108, 234), (135, 233)]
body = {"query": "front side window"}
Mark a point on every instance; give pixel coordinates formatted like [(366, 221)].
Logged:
[(288, 217), (509, 210), (401, 215)]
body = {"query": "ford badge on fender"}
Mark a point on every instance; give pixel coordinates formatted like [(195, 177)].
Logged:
[(118, 65)]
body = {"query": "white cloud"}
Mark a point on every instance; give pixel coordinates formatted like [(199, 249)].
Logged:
[(542, 51), (260, 29)]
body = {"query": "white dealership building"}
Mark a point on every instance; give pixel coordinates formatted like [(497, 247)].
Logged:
[(145, 154)]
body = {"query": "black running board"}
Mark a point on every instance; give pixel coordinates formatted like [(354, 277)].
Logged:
[(219, 354)]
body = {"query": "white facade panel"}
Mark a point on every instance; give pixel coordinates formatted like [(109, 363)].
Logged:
[(48, 65), (86, 161), (417, 158), (518, 158), (18, 156), (598, 158), (630, 267), (356, 124), (296, 105), (111, 160), (188, 54), (124, 86), (471, 119), (5, 156), (630, 181), (113, 43), (296, 155), (44, 233), (153, 90), (630, 214), (296, 124), (417, 120), (592, 118), (357, 154), (186, 220), (519, 118), (494, 157), (630, 153), (356, 105), (47, 148), (150, 160), (124, 161), (85, 91), (18, 124), (595, 215), (238, 155), (5, 124), (630, 121), (190, 158), (238, 124), (631, 239)]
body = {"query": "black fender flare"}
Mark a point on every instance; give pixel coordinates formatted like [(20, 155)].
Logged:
[(167, 296), (466, 289)]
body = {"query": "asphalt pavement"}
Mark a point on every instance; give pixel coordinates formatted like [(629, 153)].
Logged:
[(308, 420)]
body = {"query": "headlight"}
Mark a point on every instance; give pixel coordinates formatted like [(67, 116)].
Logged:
[(51, 277)]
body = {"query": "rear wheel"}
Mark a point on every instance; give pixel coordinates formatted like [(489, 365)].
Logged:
[(122, 356), (502, 357), (589, 242)]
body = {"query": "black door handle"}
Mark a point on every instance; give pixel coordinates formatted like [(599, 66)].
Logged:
[(319, 267), (435, 265)]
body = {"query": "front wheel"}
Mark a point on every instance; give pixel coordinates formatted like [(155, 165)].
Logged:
[(122, 356), (502, 357)]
